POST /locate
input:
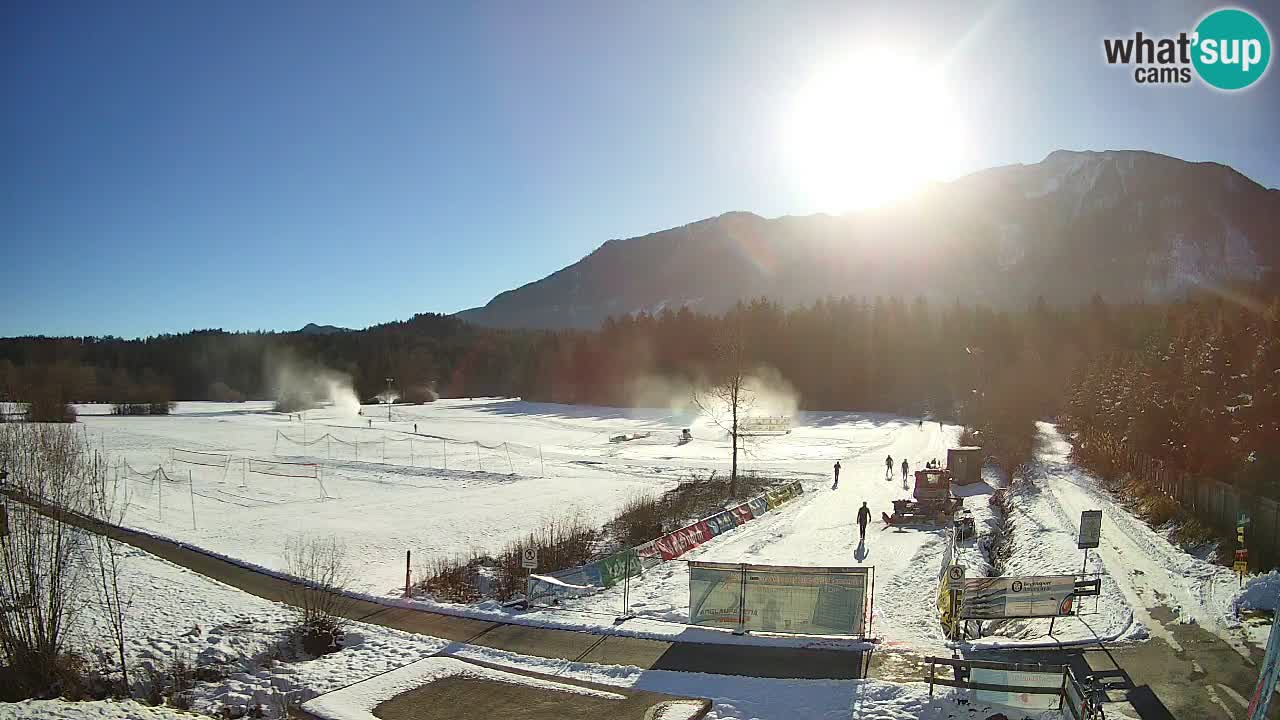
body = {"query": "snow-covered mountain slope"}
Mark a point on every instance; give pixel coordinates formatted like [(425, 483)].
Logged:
[(1128, 225)]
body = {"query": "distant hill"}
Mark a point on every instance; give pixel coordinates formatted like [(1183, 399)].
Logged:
[(1129, 225), (314, 329)]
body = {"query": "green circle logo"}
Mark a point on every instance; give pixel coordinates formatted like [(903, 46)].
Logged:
[(1232, 49)]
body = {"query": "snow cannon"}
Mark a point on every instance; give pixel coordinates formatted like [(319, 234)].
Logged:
[(932, 502)]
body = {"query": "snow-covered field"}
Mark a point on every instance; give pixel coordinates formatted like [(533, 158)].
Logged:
[(455, 475), (217, 624)]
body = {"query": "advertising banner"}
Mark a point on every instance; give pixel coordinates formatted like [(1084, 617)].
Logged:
[(715, 594), (1268, 676), (806, 600), (1051, 682), (618, 566), (1017, 597), (758, 506), (742, 514), (723, 522)]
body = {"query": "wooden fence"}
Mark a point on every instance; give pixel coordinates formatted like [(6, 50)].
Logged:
[(1215, 503)]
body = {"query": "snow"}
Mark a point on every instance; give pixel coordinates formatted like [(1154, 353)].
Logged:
[(95, 710), (216, 623), (1147, 569)]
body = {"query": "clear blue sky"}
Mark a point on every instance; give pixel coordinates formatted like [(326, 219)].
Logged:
[(176, 165)]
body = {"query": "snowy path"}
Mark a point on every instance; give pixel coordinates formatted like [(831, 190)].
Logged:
[(1161, 582), (819, 529)]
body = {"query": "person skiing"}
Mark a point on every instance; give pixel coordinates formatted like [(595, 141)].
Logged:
[(904, 470), (836, 484), (415, 428), (888, 467), (864, 517)]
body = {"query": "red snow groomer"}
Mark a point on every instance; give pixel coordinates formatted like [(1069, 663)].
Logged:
[(932, 503)]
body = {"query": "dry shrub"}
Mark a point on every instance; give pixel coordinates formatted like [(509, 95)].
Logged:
[(320, 597), (998, 546), (562, 543), (452, 579), (639, 521)]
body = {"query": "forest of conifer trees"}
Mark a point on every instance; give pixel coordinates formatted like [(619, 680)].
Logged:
[(1194, 383)]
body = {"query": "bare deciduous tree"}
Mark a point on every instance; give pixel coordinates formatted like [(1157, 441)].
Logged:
[(108, 560), (726, 397), (43, 579)]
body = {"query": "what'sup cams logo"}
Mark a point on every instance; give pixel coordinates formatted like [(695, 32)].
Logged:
[(1229, 49)]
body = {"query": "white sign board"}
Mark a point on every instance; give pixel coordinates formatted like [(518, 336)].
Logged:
[(1025, 701), (1017, 597), (529, 558), (1090, 529)]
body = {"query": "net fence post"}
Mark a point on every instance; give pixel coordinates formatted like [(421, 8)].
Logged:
[(411, 461), (542, 462), (478, 460), (510, 467), (742, 600), (445, 443), (191, 488), (159, 494)]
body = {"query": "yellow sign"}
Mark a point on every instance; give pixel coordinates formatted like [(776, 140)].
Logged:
[(1241, 567)]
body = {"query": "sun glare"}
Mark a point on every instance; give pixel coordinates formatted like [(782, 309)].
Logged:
[(868, 130)]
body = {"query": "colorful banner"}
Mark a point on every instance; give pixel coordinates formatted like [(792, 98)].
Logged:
[(1268, 676), (724, 522), (618, 566), (613, 569)]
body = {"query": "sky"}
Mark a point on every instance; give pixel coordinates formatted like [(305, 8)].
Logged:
[(243, 165)]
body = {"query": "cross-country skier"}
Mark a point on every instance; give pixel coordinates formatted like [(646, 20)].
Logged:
[(904, 470), (888, 467), (864, 517), (836, 484)]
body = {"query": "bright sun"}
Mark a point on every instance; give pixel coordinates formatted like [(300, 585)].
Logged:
[(869, 129)]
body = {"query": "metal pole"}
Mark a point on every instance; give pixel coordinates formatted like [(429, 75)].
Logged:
[(509, 465), (411, 462), (407, 554), (478, 460), (389, 399), (191, 487), (742, 600), (159, 494), (445, 443), (542, 462), (1084, 568)]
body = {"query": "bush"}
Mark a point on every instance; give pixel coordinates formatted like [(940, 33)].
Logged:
[(320, 597), (639, 521), (999, 546), (47, 405), (143, 408)]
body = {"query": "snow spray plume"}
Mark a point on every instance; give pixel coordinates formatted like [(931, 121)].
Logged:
[(765, 393), (300, 384)]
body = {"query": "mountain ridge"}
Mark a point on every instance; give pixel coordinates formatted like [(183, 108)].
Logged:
[(1130, 225)]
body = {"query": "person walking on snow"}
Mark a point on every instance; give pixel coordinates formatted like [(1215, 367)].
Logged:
[(904, 470), (836, 484), (864, 517), (888, 467)]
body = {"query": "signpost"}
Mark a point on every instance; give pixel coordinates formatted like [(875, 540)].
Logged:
[(528, 561), (1090, 534), (1241, 564)]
